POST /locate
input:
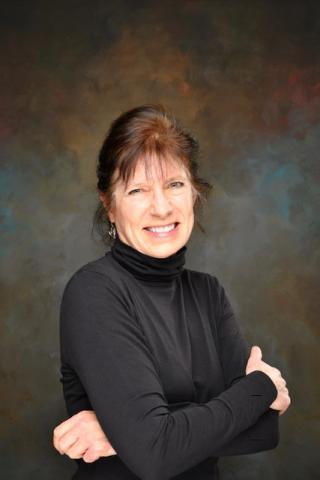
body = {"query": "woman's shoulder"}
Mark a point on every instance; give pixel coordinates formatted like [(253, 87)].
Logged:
[(100, 272), (97, 286)]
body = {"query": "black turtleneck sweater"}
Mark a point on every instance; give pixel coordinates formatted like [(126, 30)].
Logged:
[(155, 350)]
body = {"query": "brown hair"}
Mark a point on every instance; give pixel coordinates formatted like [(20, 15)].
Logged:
[(138, 134)]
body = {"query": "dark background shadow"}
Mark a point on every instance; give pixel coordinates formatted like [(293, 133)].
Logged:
[(244, 77)]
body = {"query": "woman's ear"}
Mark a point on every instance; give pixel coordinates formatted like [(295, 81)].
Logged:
[(108, 209), (103, 199), (194, 196)]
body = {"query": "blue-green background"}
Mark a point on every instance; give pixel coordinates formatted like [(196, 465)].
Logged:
[(244, 76)]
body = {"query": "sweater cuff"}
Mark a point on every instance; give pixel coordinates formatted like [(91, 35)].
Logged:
[(248, 399), (263, 385)]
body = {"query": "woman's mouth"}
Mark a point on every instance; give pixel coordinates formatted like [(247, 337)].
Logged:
[(163, 231)]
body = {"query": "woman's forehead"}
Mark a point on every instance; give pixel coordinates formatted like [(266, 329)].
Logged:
[(155, 169)]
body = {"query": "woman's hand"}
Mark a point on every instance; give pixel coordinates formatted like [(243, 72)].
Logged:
[(82, 437), (255, 362)]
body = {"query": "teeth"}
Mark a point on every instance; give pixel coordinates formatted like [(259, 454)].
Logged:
[(168, 228)]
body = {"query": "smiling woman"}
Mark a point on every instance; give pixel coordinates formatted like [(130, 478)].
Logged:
[(157, 378), (147, 147), (157, 218)]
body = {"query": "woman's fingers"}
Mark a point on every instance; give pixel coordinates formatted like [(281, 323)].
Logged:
[(256, 352), (255, 362), (283, 400), (97, 451), (81, 436), (287, 405), (77, 450), (67, 441), (58, 432), (93, 454), (110, 451), (282, 382), (66, 427), (90, 456)]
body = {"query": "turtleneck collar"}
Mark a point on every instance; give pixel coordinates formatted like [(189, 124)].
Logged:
[(147, 268)]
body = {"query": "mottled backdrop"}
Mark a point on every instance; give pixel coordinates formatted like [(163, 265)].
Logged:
[(244, 76)]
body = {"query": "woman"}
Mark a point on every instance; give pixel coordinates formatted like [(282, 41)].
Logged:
[(157, 377)]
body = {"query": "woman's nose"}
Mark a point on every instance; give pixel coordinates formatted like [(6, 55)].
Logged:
[(160, 204)]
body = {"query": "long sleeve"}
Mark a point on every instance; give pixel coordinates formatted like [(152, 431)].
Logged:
[(234, 353), (101, 339), (73, 391)]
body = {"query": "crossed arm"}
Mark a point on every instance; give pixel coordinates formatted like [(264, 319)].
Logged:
[(238, 421)]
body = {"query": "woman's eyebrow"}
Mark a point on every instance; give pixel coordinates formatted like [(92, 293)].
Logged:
[(175, 177)]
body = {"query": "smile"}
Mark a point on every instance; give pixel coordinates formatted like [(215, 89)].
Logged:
[(163, 230)]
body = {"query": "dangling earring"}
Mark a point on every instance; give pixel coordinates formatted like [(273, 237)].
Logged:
[(112, 232)]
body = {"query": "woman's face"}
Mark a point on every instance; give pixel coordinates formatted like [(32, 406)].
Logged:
[(154, 202)]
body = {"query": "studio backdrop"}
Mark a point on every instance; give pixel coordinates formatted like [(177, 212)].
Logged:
[(244, 77)]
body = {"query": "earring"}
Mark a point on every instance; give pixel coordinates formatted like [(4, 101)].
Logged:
[(112, 232)]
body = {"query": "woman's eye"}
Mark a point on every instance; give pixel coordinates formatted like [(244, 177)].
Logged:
[(174, 184), (180, 183), (135, 190)]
